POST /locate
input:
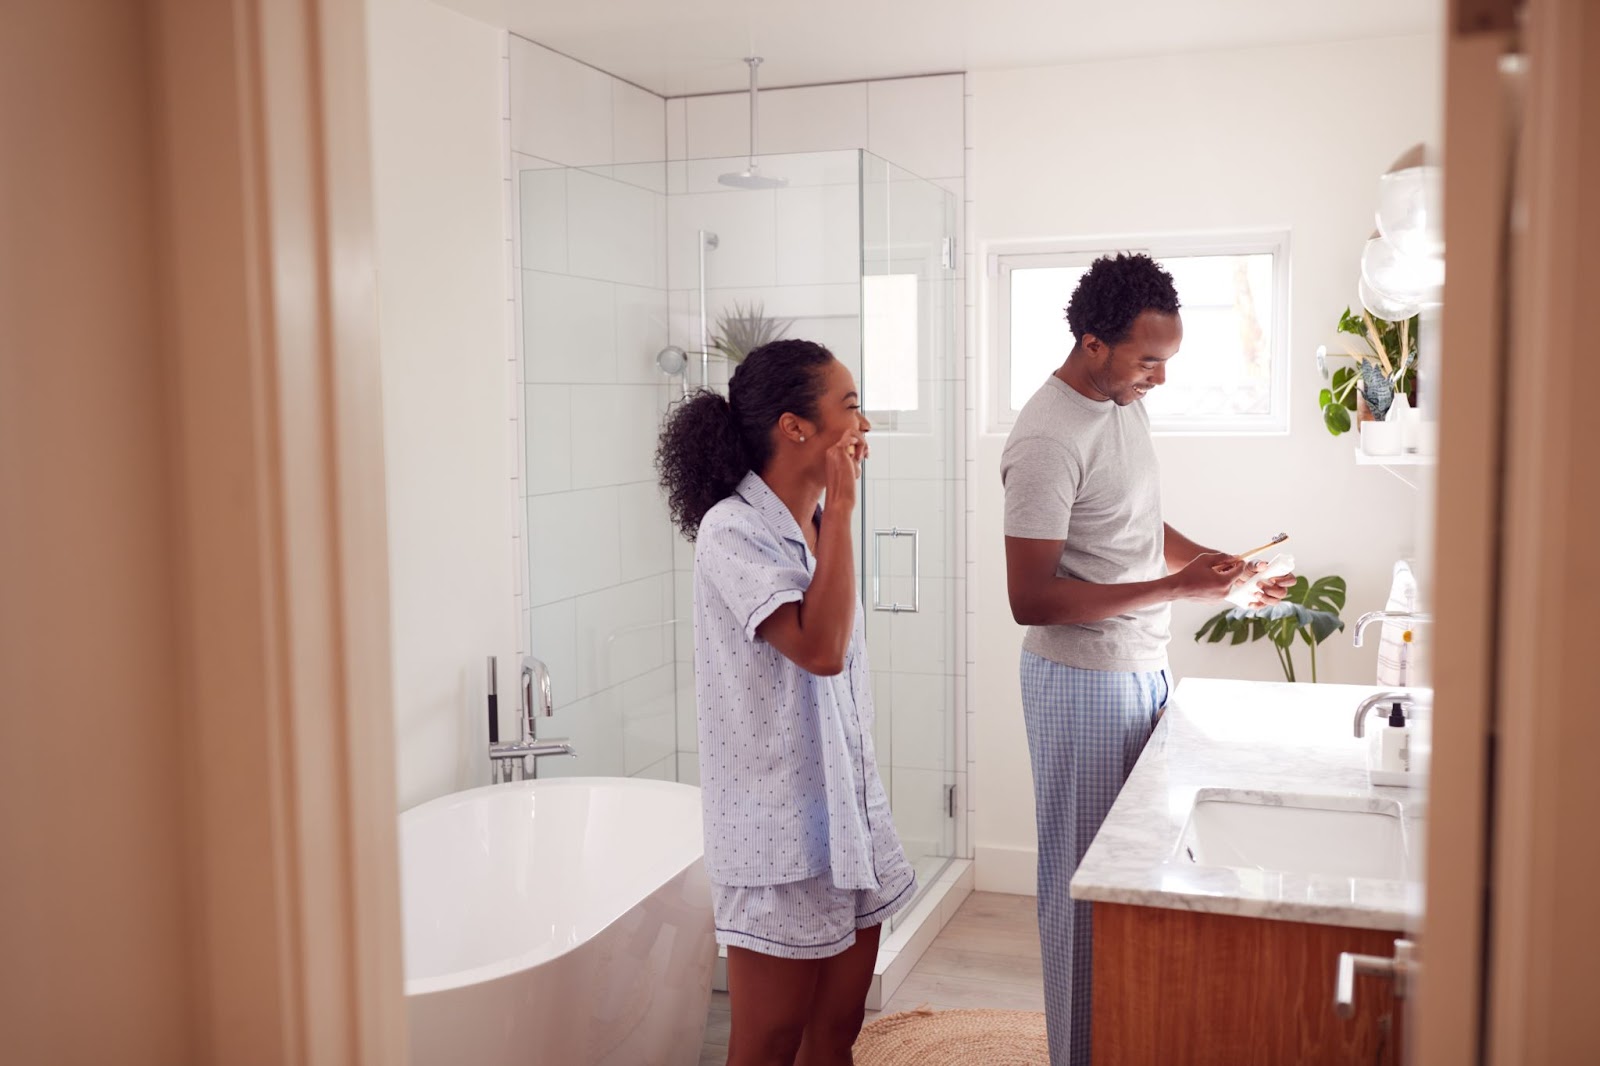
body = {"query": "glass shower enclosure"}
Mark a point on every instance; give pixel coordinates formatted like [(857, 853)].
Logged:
[(622, 263)]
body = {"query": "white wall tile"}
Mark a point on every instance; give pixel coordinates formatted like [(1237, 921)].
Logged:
[(688, 735), (649, 721), (573, 545), (688, 768), (918, 803), (547, 430), (676, 133), (649, 176), (550, 639), (883, 719), (682, 552), (918, 124), (646, 538), (921, 642), (744, 221), (620, 635), (717, 126), (594, 726), (638, 124), (923, 730), (611, 232), (614, 433), (665, 770), (683, 611), (921, 505), (560, 109), (818, 235), (817, 118), (641, 333), (569, 330)]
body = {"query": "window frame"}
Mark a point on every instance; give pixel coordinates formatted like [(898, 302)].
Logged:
[(1001, 257)]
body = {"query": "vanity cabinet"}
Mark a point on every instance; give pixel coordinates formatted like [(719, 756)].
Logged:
[(1174, 987)]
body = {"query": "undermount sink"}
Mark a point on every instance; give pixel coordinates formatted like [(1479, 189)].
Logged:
[(1296, 833)]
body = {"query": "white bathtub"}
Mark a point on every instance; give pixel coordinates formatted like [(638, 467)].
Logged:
[(563, 922)]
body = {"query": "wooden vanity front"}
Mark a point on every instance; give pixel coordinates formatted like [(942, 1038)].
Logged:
[(1177, 987)]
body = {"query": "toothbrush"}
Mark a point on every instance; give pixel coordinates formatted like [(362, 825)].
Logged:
[(1279, 539)]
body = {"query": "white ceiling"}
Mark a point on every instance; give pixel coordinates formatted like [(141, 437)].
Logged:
[(684, 47)]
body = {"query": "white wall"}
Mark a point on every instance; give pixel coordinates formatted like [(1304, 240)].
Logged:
[(1287, 138), (438, 177)]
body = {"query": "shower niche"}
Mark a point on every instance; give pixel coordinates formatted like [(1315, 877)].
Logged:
[(628, 275)]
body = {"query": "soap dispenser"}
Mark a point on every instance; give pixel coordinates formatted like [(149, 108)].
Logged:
[(1391, 759)]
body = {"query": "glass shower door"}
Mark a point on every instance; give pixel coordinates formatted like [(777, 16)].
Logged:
[(912, 499)]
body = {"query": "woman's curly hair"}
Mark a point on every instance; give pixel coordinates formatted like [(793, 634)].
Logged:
[(1116, 290), (708, 443)]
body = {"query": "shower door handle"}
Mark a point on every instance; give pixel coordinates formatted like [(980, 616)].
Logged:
[(877, 571)]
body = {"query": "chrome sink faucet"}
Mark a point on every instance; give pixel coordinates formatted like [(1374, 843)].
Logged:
[(519, 760), (1382, 700), (1400, 617), (1414, 699)]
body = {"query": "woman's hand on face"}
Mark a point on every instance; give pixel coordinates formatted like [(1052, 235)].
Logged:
[(843, 459)]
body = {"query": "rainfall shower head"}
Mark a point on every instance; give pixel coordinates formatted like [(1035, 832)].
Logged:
[(751, 177)]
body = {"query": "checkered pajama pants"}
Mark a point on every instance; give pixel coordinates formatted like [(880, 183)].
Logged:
[(1085, 731)]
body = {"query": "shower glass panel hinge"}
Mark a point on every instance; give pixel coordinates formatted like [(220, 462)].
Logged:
[(950, 801), (947, 253)]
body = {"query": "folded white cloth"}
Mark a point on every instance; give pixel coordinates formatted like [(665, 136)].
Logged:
[(1244, 591)]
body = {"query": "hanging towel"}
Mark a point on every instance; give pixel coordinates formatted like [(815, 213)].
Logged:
[(1394, 654)]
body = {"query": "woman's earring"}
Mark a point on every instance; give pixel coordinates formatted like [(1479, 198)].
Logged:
[(802, 440)]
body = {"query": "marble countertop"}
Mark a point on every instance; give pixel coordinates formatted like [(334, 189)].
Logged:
[(1248, 736)]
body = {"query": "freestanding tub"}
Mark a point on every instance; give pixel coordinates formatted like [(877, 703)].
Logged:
[(564, 922)]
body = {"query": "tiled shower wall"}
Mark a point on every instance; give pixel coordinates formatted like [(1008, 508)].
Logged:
[(598, 298), (917, 124), (590, 267)]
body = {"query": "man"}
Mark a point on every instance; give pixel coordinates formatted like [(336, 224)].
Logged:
[(1092, 570)]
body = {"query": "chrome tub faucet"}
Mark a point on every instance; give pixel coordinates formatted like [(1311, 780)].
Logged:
[(519, 760)]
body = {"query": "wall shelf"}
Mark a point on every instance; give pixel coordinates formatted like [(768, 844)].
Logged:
[(1393, 463), (1404, 459)]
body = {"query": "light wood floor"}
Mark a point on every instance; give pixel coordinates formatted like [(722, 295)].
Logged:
[(987, 956)]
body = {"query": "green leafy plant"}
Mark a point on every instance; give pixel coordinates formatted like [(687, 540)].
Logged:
[(1309, 612), (741, 330), (1385, 363)]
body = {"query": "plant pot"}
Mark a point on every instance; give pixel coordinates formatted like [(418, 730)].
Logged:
[(1382, 438), (1363, 412)]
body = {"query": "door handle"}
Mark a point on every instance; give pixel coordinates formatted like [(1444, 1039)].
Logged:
[(877, 571), (1351, 965)]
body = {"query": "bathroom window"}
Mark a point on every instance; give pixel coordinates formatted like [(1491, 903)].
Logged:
[(890, 352), (1231, 375)]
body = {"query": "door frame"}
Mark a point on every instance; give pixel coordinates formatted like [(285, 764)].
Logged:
[(277, 461), (1509, 955)]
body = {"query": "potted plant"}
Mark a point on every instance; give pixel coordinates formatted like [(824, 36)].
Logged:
[(1384, 365), (1309, 612), (741, 330)]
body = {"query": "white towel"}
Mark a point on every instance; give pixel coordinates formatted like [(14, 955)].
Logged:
[(1394, 654)]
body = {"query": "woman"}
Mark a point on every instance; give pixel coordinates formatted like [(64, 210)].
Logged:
[(803, 858)]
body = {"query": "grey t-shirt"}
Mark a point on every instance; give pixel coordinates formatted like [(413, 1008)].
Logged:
[(1085, 472)]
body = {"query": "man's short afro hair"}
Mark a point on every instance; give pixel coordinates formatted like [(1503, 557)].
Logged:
[(1116, 290)]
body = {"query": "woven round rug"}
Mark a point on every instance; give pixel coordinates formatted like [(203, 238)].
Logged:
[(925, 1037)]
